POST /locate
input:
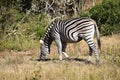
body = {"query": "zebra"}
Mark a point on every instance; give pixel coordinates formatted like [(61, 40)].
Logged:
[(70, 31)]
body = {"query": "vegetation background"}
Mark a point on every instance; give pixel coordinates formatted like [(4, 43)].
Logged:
[(23, 22)]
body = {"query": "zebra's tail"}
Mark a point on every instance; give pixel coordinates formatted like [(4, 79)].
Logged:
[(98, 36)]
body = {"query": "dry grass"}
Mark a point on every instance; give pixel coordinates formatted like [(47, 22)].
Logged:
[(24, 66)]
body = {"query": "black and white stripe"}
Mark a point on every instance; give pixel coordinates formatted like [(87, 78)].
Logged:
[(70, 31)]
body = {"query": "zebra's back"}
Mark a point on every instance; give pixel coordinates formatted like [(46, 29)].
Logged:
[(73, 30)]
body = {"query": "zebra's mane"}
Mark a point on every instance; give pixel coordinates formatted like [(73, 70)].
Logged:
[(48, 30), (47, 39)]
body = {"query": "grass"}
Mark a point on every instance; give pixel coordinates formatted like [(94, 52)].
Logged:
[(23, 65)]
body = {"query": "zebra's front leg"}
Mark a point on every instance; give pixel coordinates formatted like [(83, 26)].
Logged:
[(64, 48), (59, 46)]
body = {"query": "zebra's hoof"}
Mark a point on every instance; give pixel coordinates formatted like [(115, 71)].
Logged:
[(88, 62), (44, 59), (97, 62), (67, 59)]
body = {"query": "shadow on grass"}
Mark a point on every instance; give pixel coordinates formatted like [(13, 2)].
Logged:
[(55, 60), (64, 59)]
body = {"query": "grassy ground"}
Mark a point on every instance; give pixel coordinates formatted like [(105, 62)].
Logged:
[(16, 65)]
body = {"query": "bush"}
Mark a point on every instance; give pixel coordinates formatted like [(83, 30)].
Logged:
[(20, 32), (39, 31), (107, 12), (106, 29), (36, 26), (107, 16)]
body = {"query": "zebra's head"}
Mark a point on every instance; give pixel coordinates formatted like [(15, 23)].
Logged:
[(44, 51)]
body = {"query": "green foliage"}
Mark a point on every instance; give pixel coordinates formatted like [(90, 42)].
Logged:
[(106, 29), (17, 43), (39, 31), (19, 31), (107, 16), (19, 17), (107, 12), (36, 26)]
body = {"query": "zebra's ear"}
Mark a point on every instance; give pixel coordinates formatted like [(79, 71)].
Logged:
[(41, 41)]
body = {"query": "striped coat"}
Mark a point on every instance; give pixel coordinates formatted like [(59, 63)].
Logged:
[(70, 31)]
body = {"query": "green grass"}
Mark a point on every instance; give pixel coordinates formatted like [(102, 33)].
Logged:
[(18, 43), (23, 65)]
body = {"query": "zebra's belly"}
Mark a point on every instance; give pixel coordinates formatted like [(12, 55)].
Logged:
[(71, 38)]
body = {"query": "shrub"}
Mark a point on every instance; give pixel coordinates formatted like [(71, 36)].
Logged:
[(106, 29), (107, 16), (21, 34), (39, 31), (107, 12), (36, 26)]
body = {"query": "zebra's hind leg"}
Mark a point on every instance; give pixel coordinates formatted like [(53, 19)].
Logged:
[(90, 54), (66, 55), (92, 47)]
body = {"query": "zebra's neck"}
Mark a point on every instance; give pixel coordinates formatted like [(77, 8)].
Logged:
[(47, 41), (47, 37)]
